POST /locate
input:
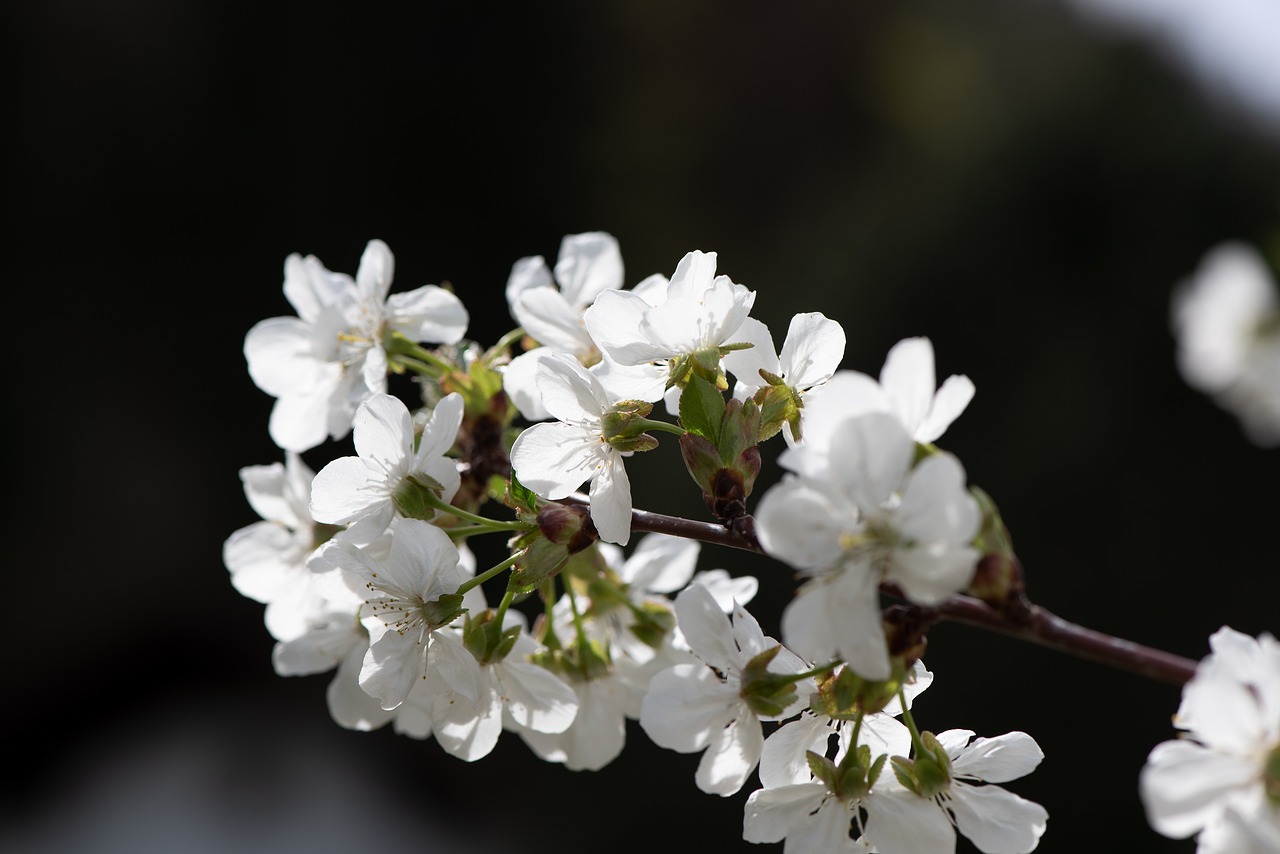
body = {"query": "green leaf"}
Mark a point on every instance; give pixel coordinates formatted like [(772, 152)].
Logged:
[(701, 409)]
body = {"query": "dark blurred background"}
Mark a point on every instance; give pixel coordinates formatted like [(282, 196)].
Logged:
[(1017, 180)]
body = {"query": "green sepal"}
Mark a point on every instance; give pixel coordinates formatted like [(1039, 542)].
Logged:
[(519, 496), (485, 639), (845, 695), (778, 405), (701, 408), (540, 560), (444, 610), (905, 770), (417, 495), (653, 624), (933, 767), (824, 769), (853, 773), (876, 767), (634, 444), (767, 694)]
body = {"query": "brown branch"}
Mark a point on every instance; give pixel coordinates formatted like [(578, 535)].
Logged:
[(1021, 619)]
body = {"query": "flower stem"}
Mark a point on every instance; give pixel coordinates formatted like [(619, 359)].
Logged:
[(488, 573), (489, 524)]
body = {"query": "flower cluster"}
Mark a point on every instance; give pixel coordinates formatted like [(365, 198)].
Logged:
[(365, 567)]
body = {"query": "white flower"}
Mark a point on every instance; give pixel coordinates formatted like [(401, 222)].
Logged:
[(701, 311), (783, 762), (703, 706), (369, 487), (268, 559), (1224, 318), (421, 566), (588, 264), (811, 817), (1222, 779), (554, 458), (810, 355), (322, 364), (296, 359), (476, 700), (871, 517), (906, 389)]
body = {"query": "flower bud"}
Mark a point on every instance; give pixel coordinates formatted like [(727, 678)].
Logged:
[(767, 694)]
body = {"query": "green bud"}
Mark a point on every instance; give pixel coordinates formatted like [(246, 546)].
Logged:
[(701, 459), (416, 496), (853, 773), (485, 639), (997, 578), (621, 419), (845, 695)]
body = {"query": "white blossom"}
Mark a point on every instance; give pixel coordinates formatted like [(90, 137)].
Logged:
[(702, 707), (1220, 780), (554, 458), (365, 488), (322, 364), (1226, 321), (871, 517), (810, 355), (421, 566), (906, 389), (700, 311)]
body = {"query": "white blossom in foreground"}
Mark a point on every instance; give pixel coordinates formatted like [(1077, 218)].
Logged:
[(1221, 779), (554, 458), (701, 312), (322, 364), (870, 516), (810, 355), (1225, 320), (906, 389), (402, 611), (388, 473), (711, 706)]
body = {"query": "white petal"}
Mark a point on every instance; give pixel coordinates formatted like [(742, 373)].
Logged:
[(279, 356), (527, 273), (745, 365), (685, 706), (801, 525), (901, 821), (1000, 759), (730, 757), (826, 408), (909, 380), (614, 324), (772, 814), (468, 732), (299, 422), (782, 760), (549, 319), (349, 705), (694, 274), (383, 432), (877, 453), (611, 500), (727, 589), (588, 263), (535, 697), (310, 287), (376, 270), (346, 489), (631, 382), (429, 313), (706, 628), (519, 381), (812, 351), (661, 563), (599, 731), (392, 665), (1183, 785), (569, 391), (441, 431), (996, 821), (948, 403), (553, 458), (839, 617)]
